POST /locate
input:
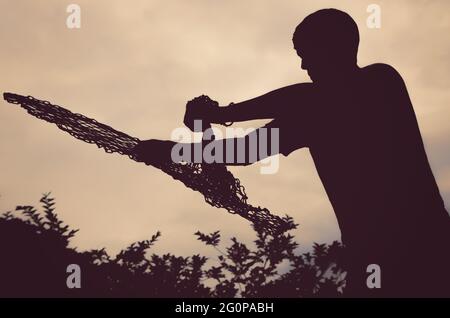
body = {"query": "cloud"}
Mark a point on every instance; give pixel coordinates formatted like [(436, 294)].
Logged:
[(135, 66)]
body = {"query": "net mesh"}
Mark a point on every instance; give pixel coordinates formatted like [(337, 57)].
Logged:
[(218, 185)]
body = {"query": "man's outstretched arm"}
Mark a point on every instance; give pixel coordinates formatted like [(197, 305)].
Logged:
[(240, 151)]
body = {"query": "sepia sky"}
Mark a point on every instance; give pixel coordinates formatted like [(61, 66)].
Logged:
[(134, 64)]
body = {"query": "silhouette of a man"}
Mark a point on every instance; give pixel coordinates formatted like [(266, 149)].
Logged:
[(363, 136)]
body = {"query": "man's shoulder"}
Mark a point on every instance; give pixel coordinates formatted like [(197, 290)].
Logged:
[(381, 72)]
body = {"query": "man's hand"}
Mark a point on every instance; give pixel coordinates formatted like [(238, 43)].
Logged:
[(200, 108)]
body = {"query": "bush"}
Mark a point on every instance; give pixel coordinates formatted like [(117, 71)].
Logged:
[(35, 253)]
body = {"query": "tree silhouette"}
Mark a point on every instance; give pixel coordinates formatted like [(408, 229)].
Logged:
[(35, 252)]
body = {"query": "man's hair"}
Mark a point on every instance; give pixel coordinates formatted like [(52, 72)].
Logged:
[(328, 30)]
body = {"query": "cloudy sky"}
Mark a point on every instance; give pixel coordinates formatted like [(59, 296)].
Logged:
[(133, 65)]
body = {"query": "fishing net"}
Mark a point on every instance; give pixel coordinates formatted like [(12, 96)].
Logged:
[(218, 186)]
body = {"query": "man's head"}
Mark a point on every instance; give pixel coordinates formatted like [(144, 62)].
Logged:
[(327, 41)]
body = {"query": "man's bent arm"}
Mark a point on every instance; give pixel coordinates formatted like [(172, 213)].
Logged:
[(266, 106)]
